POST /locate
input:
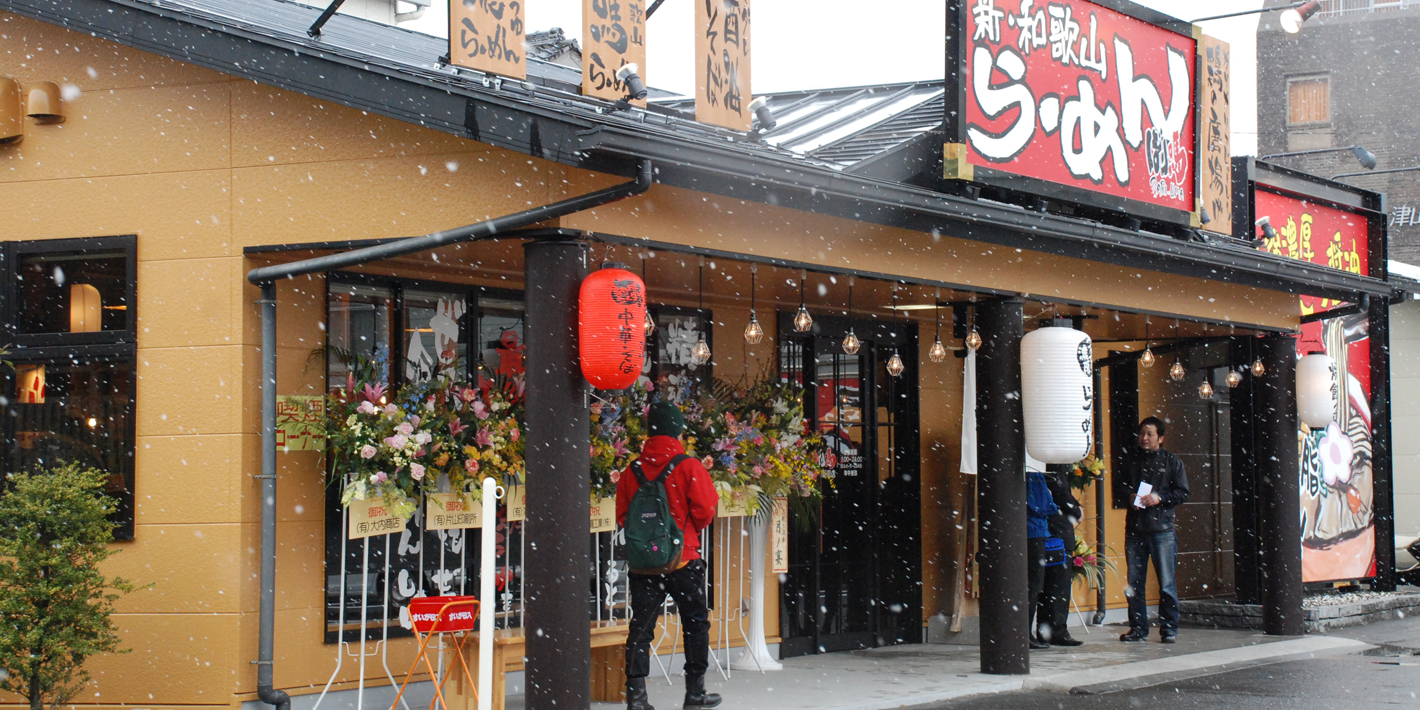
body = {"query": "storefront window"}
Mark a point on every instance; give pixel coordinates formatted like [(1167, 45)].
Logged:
[(359, 331), (69, 322), (71, 293)]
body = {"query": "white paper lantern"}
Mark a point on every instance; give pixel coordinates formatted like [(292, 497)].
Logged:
[(1317, 390), (1057, 394)]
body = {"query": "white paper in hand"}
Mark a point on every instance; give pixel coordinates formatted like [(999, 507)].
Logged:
[(1145, 488)]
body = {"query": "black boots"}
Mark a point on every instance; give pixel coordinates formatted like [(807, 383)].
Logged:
[(636, 695), (695, 695)]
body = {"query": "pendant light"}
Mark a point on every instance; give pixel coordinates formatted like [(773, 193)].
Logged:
[(753, 332), (1147, 359), (1177, 373), (1258, 369), (700, 354), (894, 364), (850, 341), (1234, 378), (1205, 390), (802, 320), (973, 339), (649, 325), (938, 352)]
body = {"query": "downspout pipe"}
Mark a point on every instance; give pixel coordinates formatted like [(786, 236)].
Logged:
[(266, 277)]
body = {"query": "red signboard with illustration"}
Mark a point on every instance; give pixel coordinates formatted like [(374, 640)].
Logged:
[(1078, 95), (1338, 522)]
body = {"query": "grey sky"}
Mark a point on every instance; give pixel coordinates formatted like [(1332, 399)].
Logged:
[(812, 44)]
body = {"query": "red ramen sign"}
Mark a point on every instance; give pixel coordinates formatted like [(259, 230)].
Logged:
[(1090, 102)]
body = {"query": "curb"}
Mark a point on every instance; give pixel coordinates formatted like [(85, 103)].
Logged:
[(1129, 676)]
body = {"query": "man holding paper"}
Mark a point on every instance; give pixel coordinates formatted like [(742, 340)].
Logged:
[(1151, 485)]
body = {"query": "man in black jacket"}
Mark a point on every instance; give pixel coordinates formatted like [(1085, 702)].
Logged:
[(1149, 529)]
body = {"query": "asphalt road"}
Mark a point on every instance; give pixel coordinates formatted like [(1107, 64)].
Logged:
[(1315, 684)]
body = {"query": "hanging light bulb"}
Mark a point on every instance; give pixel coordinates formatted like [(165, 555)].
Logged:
[(1234, 378), (700, 354), (1177, 372), (649, 324), (851, 343), (1147, 359), (802, 320), (973, 339), (895, 366), (938, 352), (1205, 390), (753, 333), (1258, 369)]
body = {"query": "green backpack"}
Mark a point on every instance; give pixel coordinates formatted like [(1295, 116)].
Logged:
[(653, 539)]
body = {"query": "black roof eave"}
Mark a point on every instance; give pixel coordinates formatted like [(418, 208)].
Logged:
[(571, 130)]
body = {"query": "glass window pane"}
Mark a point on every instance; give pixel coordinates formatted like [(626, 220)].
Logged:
[(358, 332), (500, 337), (71, 293), (79, 413), (434, 342)]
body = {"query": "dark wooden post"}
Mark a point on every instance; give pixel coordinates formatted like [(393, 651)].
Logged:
[(1279, 487), (559, 490), (1001, 486)]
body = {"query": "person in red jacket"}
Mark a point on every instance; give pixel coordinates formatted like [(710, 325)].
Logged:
[(692, 499)]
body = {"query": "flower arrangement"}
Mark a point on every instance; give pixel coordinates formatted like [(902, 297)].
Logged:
[(379, 449), (1087, 564), (618, 433), (1086, 472)]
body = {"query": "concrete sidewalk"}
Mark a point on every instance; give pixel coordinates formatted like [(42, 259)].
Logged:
[(900, 676)]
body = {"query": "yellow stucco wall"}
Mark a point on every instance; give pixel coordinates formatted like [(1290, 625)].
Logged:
[(199, 165)]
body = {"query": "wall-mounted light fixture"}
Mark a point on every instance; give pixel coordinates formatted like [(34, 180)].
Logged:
[(44, 103), (12, 123), (85, 309)]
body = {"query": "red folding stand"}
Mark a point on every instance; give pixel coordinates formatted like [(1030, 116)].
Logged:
[(439, 615)]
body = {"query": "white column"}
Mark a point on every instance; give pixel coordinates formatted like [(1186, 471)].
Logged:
[(756, 652)]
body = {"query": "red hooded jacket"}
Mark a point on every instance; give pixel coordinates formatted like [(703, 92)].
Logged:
[(689, 491)]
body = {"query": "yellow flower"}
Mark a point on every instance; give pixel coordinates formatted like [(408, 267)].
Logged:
[(471, 452)]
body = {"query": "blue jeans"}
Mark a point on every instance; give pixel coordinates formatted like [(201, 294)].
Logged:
[(1163, 548)]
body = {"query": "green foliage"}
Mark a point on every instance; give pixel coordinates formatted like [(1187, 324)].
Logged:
[(3, 362), (55, 603)]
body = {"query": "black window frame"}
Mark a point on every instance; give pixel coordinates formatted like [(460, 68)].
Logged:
[(115, 347)]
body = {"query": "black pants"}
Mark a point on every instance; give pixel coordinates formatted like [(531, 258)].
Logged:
[(1052, 615), (1035, 552), (648, 592)]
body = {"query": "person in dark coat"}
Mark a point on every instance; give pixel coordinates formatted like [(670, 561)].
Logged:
[(1053, 611), (1149, 529), (1039, 507), (691, 497)]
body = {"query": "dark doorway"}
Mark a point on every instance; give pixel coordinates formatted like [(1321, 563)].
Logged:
[(855, 578)]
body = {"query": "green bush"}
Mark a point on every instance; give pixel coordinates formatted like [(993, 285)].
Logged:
[(55, 603)]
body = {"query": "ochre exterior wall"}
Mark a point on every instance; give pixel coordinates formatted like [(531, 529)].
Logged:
[(200, 165)]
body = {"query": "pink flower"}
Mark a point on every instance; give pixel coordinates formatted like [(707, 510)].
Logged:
[(367, 452), (758, 470), (483, 438), (470, 465), (423, 438), (391, 410), (1079, 562), (405, 428), (415, 419), (480, 410), (620, 447), (373, 393), (416, 471), (380, 477), (456, 427), (396, 442), (1089, 558), (707, 462), (514, 435), (367, 407)]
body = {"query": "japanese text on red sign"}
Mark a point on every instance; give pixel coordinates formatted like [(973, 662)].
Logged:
[(1078, 94)]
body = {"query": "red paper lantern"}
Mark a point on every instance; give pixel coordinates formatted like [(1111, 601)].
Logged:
[(611, 312)]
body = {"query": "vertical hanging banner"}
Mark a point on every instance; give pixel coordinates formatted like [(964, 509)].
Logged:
[(779, 536), (613, 35), (487, 35), (1074, 100), (722, 37), (1215, 160)]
